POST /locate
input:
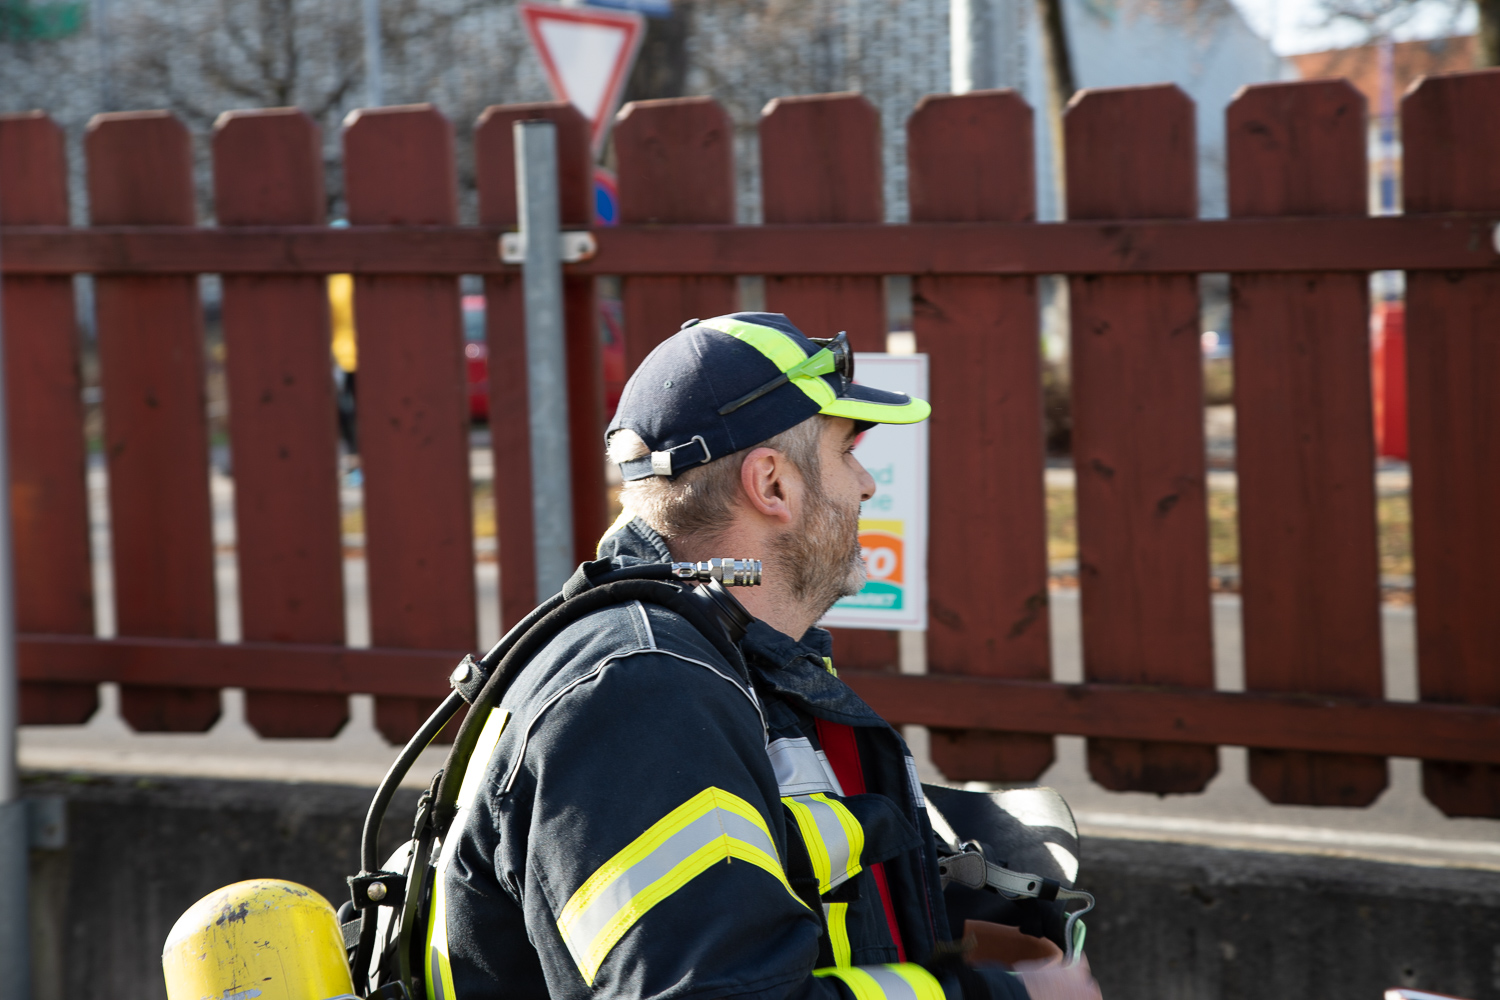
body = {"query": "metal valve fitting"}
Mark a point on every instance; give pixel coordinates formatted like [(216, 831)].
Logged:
[(729, 572)]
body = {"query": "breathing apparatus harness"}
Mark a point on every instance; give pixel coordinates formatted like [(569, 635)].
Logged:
[(695, 591), (387, 908)]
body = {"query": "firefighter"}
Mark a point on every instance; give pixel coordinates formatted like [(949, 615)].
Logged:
[(645, 817)]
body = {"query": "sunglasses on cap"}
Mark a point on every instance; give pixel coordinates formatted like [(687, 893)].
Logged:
[(835, 357)]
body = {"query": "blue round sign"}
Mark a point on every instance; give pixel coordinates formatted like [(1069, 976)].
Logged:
[(606, 198)]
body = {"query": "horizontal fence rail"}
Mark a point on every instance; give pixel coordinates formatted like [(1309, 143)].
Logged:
[(1449, 242), (1297, 245), (1285, 722)]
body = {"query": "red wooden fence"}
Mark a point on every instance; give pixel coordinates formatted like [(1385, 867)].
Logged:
[(1307, 440), (267, 171), (1297, 243)]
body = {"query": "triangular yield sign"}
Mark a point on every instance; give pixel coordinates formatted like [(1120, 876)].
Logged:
[(587, 54)]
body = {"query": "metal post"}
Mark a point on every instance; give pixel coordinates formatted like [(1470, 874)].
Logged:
[(972, 47), (374, 92), (104, 51), (15, 944), (546, 358), (987, 44)]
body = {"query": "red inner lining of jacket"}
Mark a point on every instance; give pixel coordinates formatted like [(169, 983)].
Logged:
[(843, 756)]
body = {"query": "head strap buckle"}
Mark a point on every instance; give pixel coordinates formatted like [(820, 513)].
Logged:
[(663, 462)]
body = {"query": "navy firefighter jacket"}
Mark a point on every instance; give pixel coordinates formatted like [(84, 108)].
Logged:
[(642, 818)]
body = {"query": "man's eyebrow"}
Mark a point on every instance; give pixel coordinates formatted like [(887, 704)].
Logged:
[(853, 433)]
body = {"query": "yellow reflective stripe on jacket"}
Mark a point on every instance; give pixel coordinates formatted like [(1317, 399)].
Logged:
[(435, 968), (479, 761), (626, 516), (833, 837), (780, 350), (887, 982), (837, 915), (710, 827)]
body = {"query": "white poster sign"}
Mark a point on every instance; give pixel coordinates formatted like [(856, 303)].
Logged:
[(892, 523)]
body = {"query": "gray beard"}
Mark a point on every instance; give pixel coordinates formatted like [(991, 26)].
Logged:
[(821, 555)]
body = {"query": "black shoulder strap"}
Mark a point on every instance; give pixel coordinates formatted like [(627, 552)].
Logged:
[(590, 589)]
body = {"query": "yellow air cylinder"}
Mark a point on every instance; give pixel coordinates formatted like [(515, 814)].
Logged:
[(257, 940)]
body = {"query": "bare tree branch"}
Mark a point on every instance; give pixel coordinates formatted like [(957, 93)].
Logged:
[(1378, 19)]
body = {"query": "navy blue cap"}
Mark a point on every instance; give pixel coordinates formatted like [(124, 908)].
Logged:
[(687, 400)]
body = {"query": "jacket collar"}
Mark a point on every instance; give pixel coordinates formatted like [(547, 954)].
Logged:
[(631, 540), (796, 670)]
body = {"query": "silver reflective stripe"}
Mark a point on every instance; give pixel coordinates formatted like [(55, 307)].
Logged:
[(801, 770), (891, 983), (646, 619), (886, 982), (916, 784)]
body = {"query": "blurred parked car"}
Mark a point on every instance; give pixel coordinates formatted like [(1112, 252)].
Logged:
[(476, 359), (476, 354)]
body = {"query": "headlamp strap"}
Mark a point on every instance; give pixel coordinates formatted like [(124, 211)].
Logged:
[(819, 363)]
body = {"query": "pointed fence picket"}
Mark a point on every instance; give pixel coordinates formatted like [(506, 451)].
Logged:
[(1138, 450), (267, 171), (412, 411), (1306, 437), (820, 162), (1451, 130), (660, 186), (48, 491), (150, 328), (970, 160)]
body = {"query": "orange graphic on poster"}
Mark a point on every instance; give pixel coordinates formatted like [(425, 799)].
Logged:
[(883, 550)]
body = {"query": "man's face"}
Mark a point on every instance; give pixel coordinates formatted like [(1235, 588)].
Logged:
[(821, 551)]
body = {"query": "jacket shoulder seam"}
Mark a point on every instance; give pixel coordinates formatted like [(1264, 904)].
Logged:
[(594, 674)]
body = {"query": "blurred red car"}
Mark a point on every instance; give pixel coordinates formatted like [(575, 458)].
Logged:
[(476, 359), (477, 356)]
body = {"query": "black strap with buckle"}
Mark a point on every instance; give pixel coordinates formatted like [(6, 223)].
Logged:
[(667, 463)]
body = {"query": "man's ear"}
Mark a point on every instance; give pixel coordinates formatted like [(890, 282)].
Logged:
[(770, 484)]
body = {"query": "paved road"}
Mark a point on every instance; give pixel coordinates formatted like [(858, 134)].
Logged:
[(1400, 826)]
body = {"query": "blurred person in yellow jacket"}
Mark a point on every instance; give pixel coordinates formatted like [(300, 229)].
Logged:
[(345, 353)]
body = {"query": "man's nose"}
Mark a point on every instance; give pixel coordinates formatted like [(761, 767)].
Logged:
[(866, 484)]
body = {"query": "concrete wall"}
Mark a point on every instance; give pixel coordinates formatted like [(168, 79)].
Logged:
[(1174, 921), (141, 850), (1178, 921)]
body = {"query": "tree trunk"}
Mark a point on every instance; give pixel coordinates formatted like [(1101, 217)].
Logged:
[(661, 68), (1059, 59), (1488, 53)]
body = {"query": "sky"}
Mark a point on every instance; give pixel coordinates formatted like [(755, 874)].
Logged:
[(1294, 26)]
